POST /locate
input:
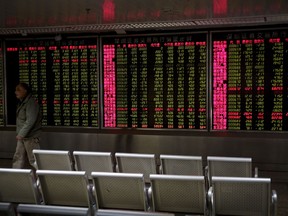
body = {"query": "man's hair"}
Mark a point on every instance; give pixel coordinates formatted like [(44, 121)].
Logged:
[(26, 87)]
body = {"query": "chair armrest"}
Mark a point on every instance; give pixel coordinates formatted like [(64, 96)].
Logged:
[(210, 202), (206, 171), (208, 184), (149, 202), (160, 169), (116, 168), (256, 172), (274, 203)]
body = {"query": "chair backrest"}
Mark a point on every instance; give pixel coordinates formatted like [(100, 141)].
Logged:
[(241, 196), (47, 210), (136, 163), (119, 190), (18, 186), (178, 193), (53, 160), (181, 165), (229, 166), (93, 161), (70, 188), (104, 212)]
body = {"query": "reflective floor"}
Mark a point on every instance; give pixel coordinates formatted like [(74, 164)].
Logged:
[(280, 187)]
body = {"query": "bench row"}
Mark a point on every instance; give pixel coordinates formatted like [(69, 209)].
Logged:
[(143, 163), (127, 191)]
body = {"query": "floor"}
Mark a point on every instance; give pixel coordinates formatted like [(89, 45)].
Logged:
[(280, 187)]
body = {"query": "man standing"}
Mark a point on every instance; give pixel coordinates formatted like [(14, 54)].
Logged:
[(28, 127)]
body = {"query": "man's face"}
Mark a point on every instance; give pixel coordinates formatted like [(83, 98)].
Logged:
[(20, 92)]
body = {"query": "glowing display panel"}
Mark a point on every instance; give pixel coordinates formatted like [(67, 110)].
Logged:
[(250, 80), (155, 82), (1, 88), (63, 77)]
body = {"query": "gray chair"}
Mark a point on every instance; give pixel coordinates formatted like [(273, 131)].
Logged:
[(104, 212), (53, 160), (178, 193), (47, 210), (242, 196), (181, 165), (119, 191), (137, 163), (65, 188), (93, 162), (18, 186), (229, 166)]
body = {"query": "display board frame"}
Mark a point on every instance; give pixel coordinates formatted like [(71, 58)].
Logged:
[(170, 34), (211, 68), (2, 81), (58, 40)]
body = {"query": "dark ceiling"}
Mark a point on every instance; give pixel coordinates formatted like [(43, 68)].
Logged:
[(47, 16)]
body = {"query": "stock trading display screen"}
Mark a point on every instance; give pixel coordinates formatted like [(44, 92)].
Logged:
[(62, 75), (155, 81), (250, 80), (1, 88)]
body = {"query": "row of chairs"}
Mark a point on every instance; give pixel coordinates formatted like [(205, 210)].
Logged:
[(143, 163), (64, 192)]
